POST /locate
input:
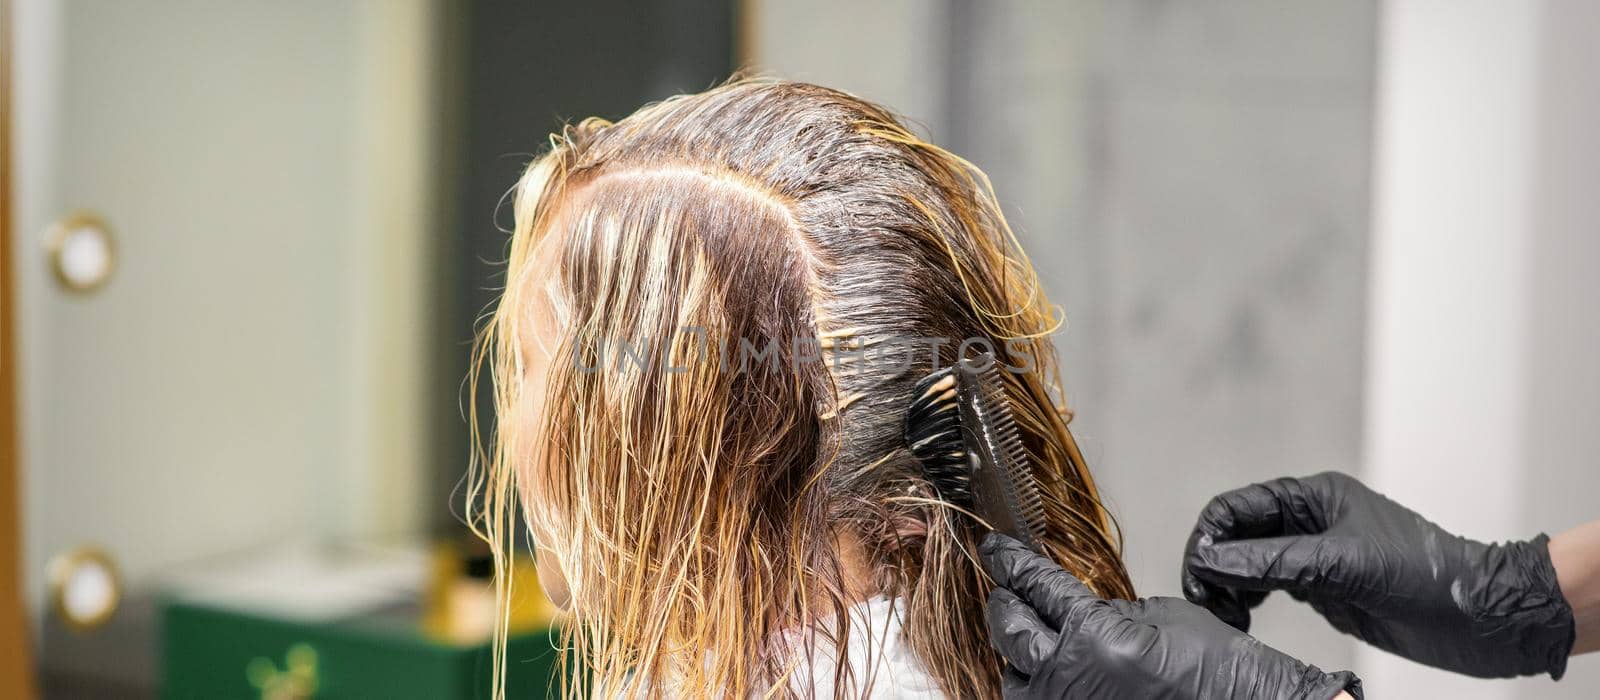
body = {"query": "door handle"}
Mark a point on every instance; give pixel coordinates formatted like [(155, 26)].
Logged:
[(85, 587), (82, 252)]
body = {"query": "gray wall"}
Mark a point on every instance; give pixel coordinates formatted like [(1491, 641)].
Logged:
[(1192, 181), (1197, 199)]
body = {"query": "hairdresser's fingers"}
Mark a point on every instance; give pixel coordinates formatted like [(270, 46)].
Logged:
[(1018, 633), (1253, 511), (1001, 555), (1230, 605), (1287, 506), (1012, 683), (1307, 565), (1057, 595), (1256, 510)]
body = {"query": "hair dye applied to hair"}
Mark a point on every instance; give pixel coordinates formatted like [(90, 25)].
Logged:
[(696, 507)]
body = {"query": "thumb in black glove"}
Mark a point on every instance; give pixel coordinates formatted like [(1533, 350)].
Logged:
[(1063, 641), (1380, 572)]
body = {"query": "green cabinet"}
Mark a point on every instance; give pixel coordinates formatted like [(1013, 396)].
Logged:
[(213, 653)]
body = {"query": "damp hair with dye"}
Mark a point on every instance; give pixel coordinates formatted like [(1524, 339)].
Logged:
[(699, 511)]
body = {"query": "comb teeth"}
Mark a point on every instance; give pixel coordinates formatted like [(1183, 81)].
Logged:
[(961, 412), (1010, 455)]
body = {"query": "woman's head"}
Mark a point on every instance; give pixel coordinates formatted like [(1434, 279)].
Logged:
[(714, 315)]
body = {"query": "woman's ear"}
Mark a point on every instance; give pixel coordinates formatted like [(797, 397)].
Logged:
[(906, 527)]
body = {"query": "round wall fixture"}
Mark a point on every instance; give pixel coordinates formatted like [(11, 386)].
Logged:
[(82, 252), (85, 588)]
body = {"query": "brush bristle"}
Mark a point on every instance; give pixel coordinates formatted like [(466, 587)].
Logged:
[(933, 432)]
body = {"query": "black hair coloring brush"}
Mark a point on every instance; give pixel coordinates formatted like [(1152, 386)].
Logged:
[(961, 428)]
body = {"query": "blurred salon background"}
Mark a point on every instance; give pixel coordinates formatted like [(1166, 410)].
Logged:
[(246, 243)]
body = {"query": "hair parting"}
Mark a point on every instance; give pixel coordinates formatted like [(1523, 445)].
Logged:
[(715, 528)]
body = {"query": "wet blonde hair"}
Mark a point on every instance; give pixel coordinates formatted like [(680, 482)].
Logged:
[(695, 505)]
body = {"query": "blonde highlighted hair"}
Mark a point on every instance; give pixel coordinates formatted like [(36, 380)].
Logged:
[(696, 505)]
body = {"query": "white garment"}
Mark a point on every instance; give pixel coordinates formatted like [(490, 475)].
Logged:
[(882, 665)]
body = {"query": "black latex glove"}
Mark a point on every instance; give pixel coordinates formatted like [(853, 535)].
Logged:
[(1379, 571), (1062, 641)]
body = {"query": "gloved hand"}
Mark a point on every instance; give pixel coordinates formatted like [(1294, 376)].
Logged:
[(1379, 571), (1063, 641)]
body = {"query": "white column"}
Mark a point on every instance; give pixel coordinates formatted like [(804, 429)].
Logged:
[(1483, 269)]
